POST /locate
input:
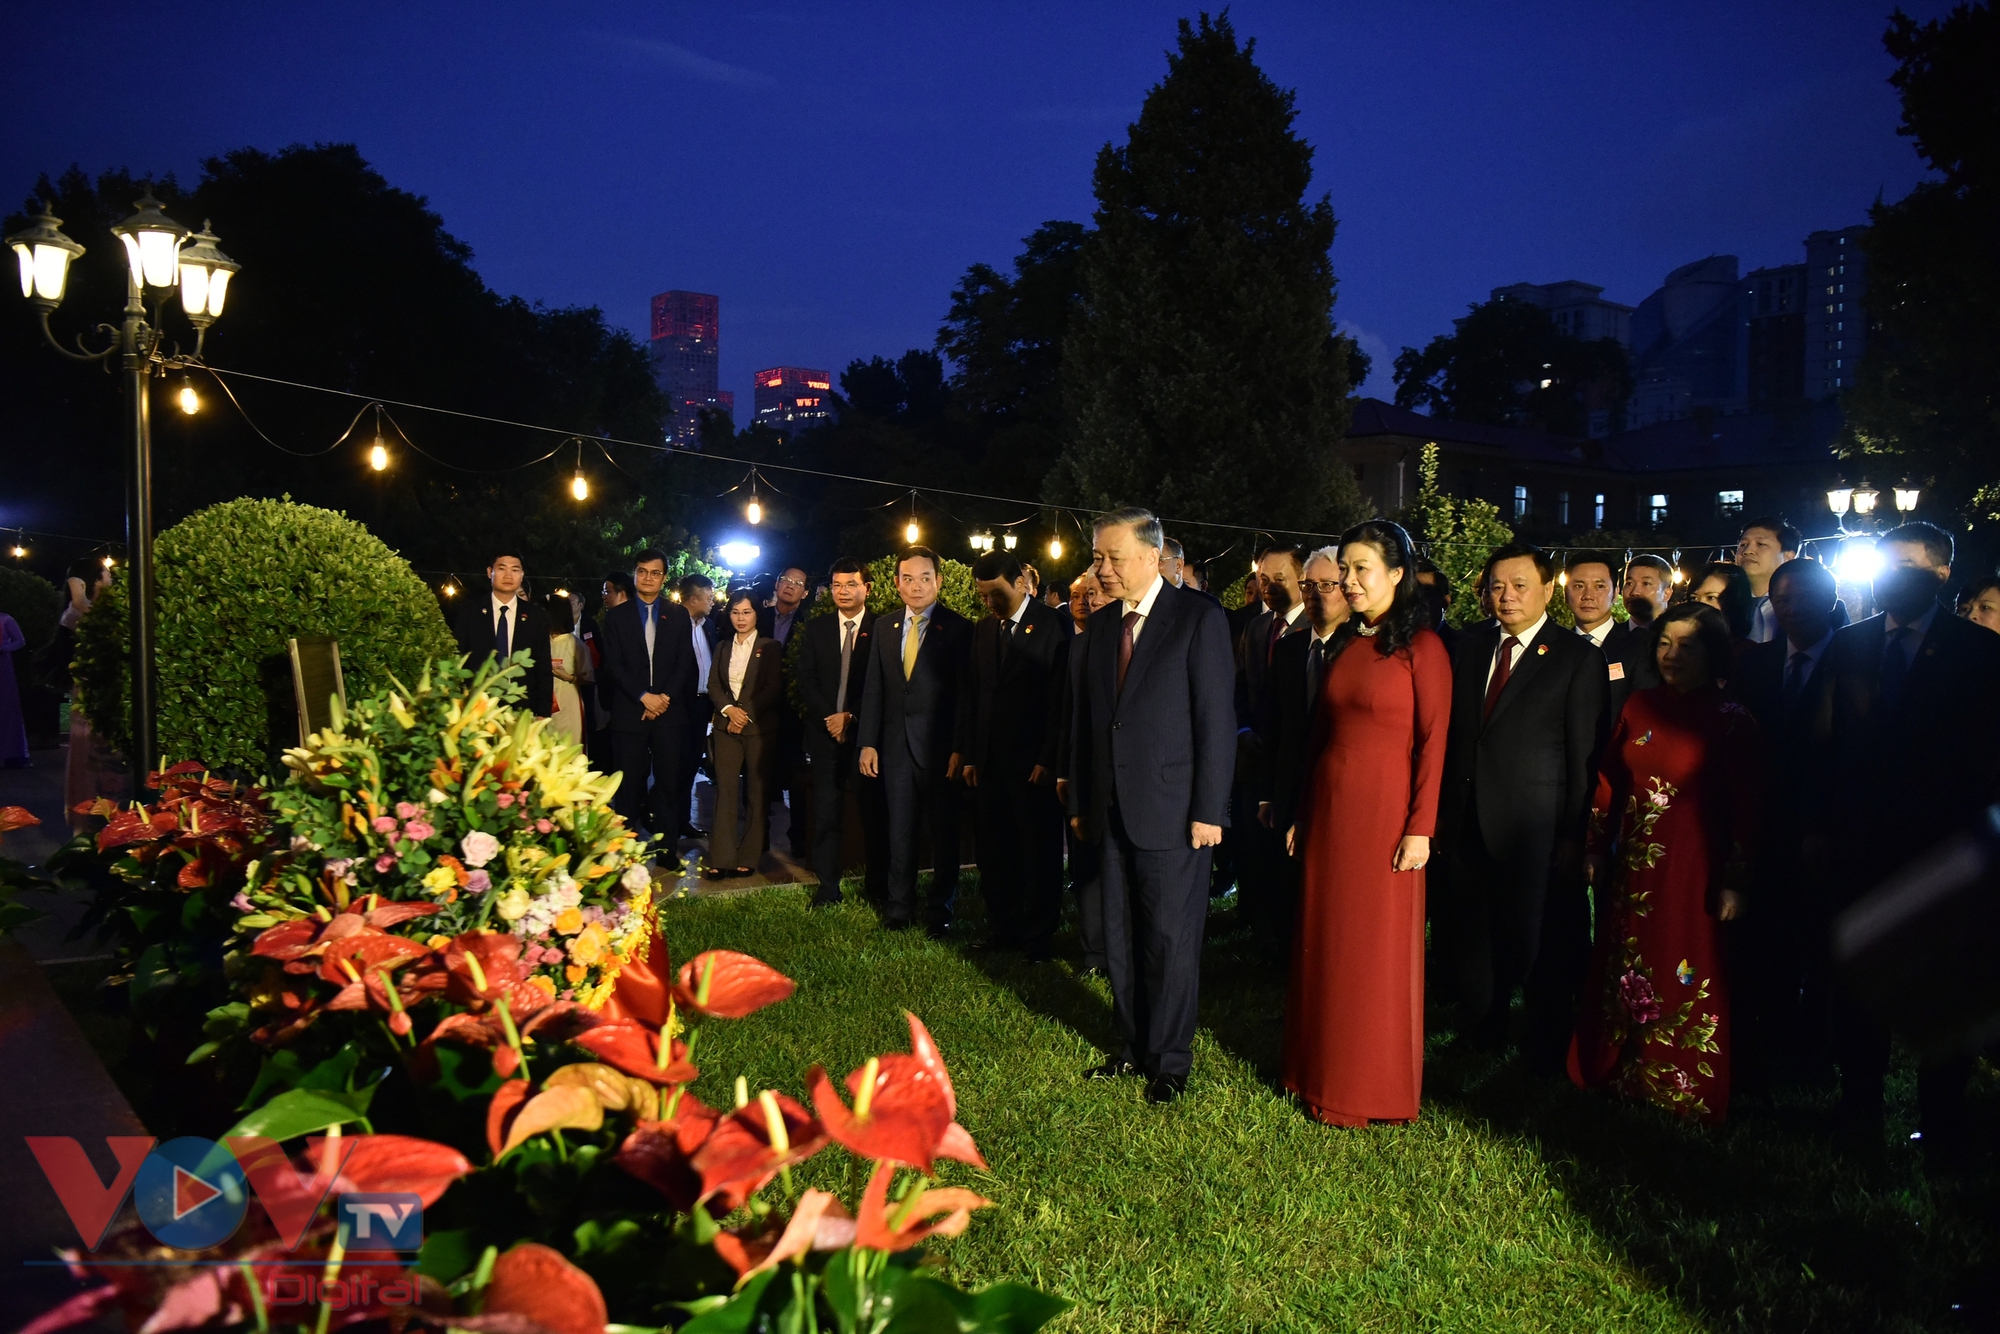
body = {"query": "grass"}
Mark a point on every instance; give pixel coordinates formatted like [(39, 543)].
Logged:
[(1512, 1204)]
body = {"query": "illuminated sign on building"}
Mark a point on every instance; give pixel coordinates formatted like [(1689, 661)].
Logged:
[(793, 398), (685, 351)]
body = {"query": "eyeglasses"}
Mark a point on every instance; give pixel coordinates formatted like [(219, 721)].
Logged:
[(1324, 586), (792, 583)]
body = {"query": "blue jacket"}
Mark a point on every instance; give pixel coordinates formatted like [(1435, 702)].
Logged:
[(626, 674)]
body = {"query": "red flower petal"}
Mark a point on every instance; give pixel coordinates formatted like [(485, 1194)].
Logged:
[(286, 940), (739, 1156), (365, 952), (875, 1227), (658, 1153), (395, 914), (926, 1052), (957, 1145), (535, 1281), (738, 986), (16, 817), (634, 1048), (507, 1100), (403, 1163), (499, 966), (906, 1118)]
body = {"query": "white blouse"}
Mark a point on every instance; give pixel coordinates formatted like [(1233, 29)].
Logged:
[(740, 652)]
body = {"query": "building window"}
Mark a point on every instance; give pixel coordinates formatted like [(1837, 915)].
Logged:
[(1659, 508), (1520, 503), (1729, 504), (1562, 508), (1597, 511)]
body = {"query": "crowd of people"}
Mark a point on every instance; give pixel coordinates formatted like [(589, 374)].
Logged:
[(1641, 825)]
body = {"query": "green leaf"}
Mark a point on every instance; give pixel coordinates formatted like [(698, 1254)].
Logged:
[(1015, 1308), (736, 1315), (447, 1255), (297, 1112)]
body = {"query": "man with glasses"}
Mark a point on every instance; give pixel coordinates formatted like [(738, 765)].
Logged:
[(648, 685)]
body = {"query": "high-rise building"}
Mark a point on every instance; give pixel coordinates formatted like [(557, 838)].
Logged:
[(1774, 308), (793, 398), (1836, 327), (1687, 344), (685, 350), (1579, 309)]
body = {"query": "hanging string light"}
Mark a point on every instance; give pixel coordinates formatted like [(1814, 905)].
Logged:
[(1055, 548), (189, 400), (20, 548), (378, 453), (579, 486), (754, 511), (910, 530)]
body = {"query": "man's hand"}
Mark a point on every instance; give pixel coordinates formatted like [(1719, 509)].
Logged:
[(1594, 866), (1264, 815), (1062, 789), (953, 765), (1411, 854), (1038, 775), (1292, 841), (871, 765), (1731, 907), (655, 705), (971, 775), (837, 725), (1205, 835)]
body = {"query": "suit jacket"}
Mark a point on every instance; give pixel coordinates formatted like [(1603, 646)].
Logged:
[(915, 721), (1162, 750), (1286, 728), (628, 673), (763, 693), (1913, 770), (1629, 664), (1253, 662), (767, 624), (1526, 773), (473, 629), (1014, 684), (818, 668), (1789, 738)]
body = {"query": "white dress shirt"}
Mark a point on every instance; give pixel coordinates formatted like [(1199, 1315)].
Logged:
[(1763, 621), (740, 653), (1144, 606), (512, 606), (1526, 637), (704, 658), (1597, 636)]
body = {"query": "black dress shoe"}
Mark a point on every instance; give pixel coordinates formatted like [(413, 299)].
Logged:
[(823, 901), (692, 830), (1165, 1088), (897, 924), (940, 930), (1111, 1070)]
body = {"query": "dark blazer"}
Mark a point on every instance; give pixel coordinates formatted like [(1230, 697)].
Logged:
[(1164, 750), (627, 674), (1788, 728), (1629, 664), (1286, 727), (763, 693), (1529, 771), (1253, 665), (818, 668), (914, 721), (1014, 684), (767, 624), (1911, 771), (473, 629)]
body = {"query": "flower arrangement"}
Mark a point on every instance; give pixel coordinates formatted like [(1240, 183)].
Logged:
[(442, 795)]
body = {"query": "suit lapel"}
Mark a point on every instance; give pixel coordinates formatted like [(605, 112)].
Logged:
[(1527, 665), (1152, 633)]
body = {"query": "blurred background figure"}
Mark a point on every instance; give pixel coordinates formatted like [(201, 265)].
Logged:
[(1980, 602), (568, 664)]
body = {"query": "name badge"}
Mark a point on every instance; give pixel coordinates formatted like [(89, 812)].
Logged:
[(1618, 671)]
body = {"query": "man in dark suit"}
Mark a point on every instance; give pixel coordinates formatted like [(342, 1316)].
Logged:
[(1259, 848), (909, 722), (1020, 657), (504, 623), (1437, 596), (833, 657), (1298, 670), (648, 688), (1528, 712), (1778, 978), (1908, 729), (1152, 751), (784, 618), (1589, 587), (1085, 878)]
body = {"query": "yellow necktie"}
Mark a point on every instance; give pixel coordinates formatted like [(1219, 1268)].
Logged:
[(913, 634)]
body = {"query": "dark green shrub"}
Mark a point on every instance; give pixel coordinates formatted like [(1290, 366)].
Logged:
[(236, 581), (33, 602)]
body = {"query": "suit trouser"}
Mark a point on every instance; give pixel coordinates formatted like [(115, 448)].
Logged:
[(696, 743), (1019, 829), (1516, 925), (1155, 909), (836, 775), (739, 761), (658, 749), (1086, 881), (920, 798)]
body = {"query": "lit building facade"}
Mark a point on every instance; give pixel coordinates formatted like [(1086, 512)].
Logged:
[(1774, 309), (1836, 327), (685, 350), (791, 399)]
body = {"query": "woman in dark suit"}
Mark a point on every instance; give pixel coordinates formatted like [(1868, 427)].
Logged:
[(746, 685)]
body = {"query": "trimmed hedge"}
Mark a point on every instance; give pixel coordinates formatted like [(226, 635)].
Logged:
[(236, 581)]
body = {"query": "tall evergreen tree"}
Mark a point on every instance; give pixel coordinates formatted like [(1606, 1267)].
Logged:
[(1202, 374)]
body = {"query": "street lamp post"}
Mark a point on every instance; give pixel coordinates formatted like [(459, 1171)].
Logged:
[(161, 256)]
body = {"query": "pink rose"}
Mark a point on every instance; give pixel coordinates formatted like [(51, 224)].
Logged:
[(505, 799), (384, 824), (478, 882), (542, 826), (417, 830), (405, 810), (479, 847), (384, 864)]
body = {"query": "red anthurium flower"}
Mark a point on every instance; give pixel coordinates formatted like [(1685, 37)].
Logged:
[(136, 826), (723, 984), (16, 817), (635, 1049), (659, 1153), (883, 1226), (353, 957), (506, 1101), (535, 1282), (287, 940), (402, 1163), (482, 966), (819, 1223), (957, 1141), (750, 1145)]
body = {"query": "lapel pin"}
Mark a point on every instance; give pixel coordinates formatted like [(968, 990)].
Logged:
[(1540, 649), (1028, 630)]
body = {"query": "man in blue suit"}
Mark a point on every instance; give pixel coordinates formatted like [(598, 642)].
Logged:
[(647, 684), (1152, 756), (909, 719)]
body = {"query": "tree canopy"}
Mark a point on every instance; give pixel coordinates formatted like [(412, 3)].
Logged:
[(1202, 361), (1505, 363)]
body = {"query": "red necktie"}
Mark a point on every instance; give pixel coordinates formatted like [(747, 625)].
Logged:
[(1125, 648), (1500, 672)]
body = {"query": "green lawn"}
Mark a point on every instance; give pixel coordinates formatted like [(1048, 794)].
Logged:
[(1512, 1204)]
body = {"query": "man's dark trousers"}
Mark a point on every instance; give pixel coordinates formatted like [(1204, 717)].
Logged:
[(1155, 904), (916, 795), (1020, 858), (659, 748), (836, 775)]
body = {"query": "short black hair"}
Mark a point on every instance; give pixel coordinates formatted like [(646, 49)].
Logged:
[(1283, 549), (1171, 548), (848, 565), (650, 553), (1935, 541), (1812, 572), (503, 551), (1528, 550), (622, 581), (1788, 536), (742, 594), (1603, 558), (1711, 631), (1002, 565), (1971, 591), (920, 553), (691, 583), (1647, 560)]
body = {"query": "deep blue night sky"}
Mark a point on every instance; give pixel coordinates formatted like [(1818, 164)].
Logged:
[(830, 170)]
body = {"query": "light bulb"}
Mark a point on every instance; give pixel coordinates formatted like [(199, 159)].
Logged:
[(562, 592), (450, 590), (190, 401), (20, 552), (1055, 548), (579, 488), (1563, 578), (910, 532), (378, 457), (109, 562), (1680, 576), (754, 512)]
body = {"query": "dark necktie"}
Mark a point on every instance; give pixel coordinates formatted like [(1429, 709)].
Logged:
[(1125, 648), (500, 635), (1895, 666), (1795, 676), (1501, 670), (846, 661), (1315, 672)]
